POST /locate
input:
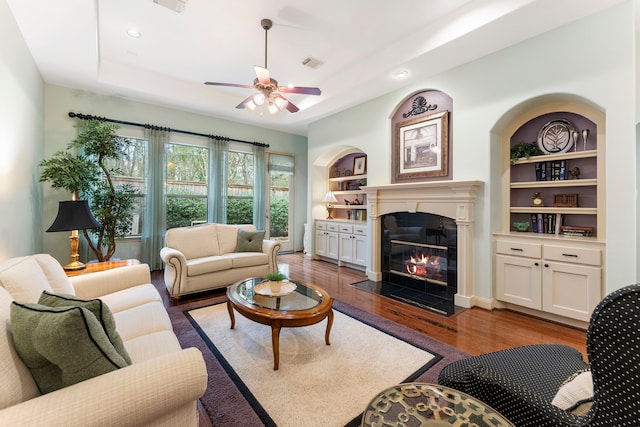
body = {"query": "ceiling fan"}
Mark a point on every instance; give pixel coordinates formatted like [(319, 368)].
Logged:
[(267, 87)]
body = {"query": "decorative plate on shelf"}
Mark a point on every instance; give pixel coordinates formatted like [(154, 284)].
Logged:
[(557, 136)]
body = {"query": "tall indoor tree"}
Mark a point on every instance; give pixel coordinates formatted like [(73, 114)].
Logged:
[(84, 170)]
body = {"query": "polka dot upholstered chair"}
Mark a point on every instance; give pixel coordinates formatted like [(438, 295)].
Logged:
[(521, 383)]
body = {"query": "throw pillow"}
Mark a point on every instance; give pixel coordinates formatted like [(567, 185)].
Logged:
[(575, 391), (249, 241), (61, 346), (95, 306)]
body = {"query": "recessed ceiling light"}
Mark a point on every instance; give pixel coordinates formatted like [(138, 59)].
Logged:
[(134, 33), (401, 74)]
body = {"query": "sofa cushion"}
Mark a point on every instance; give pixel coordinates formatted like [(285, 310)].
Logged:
[(98, 308), (55, 274), (249, 241), (194, 242), (249, 259), (142, 320), (228, 236), (61, 346), (209, 264), (17, 383), (24, 279)]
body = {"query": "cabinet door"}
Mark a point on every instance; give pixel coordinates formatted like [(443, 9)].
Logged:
[(346, 247), (571, 290), (360, 250), (321, 243), (332, 245), (518, 281)]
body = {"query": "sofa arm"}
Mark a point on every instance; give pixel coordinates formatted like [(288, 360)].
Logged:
[(175, 269), (271, 248), (137, 395), (101, 283)]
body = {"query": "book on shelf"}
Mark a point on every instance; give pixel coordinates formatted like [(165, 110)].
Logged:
[(551, 171), (547, 223), (576, 230)]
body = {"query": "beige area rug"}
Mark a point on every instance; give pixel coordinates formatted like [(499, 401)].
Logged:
[(316, 384)]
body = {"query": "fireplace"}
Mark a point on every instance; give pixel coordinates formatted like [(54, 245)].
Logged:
[(419, 260), (421, 238)]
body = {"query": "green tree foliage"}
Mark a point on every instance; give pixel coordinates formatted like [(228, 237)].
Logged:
[(181, 212), (239, 211), (279, 216)]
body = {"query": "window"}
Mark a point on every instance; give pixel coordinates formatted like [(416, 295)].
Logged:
[(240, 175), (131, 169), (186, 184)]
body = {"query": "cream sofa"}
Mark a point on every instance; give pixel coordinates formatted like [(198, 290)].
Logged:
[(160, 388), (204, 257)]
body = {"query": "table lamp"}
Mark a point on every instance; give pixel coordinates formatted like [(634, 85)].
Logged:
[(74, 215), (329, 198)]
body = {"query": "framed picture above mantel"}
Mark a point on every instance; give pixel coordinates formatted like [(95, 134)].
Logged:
[(421, 147)]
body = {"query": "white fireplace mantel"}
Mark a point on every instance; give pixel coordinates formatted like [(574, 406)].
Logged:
[(453, 199)]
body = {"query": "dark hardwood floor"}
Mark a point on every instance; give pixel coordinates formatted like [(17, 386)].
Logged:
[(473, 330)]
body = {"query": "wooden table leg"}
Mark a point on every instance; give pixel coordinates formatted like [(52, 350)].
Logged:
[(231, 316), (329, 324), (275, 342)]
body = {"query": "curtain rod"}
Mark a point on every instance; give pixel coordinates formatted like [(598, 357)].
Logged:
[(154, 127)]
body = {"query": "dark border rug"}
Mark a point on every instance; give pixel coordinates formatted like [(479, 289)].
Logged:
[(224, 401)]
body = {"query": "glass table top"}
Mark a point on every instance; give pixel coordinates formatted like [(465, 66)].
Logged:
[(302, 298)]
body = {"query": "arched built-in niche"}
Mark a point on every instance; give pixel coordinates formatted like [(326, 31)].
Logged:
[(552, 266), (430, 110)]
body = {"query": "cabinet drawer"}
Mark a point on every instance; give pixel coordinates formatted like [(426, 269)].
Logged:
[(332, 226), (531, 250), (574, 255), (360, 230), (321, 225), (346, 228)]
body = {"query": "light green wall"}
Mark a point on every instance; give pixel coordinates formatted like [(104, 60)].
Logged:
[(576, 60), (60, 131), (21, 142)]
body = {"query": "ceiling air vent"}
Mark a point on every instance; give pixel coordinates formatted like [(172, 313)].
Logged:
[(312, 62), (175, 5)]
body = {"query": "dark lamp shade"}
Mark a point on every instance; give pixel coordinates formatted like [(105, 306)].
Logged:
[(74, 215)]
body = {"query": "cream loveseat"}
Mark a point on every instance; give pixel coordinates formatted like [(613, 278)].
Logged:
[(210, 256), (160, 387)]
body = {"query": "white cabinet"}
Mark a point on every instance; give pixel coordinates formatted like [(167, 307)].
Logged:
[(327, 239), (345, 242), (353, 244), (562, 278)]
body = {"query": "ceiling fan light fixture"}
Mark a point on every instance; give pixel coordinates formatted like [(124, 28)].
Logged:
[(258, 98), (250, 105), (273, 108), (280, 102)]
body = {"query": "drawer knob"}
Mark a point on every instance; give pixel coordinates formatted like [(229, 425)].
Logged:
[(517, 249)]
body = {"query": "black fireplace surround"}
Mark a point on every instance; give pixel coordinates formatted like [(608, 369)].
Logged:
[(419, 260)]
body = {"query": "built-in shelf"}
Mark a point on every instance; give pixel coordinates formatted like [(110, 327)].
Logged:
[(570, 155), (555, 210), (558, 183)]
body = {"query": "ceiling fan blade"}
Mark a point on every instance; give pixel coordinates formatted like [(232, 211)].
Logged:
[(228, 84), (263, 75), (300, 89), (292, 108)]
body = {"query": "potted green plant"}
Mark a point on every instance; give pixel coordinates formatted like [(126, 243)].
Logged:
[(84, 170), (275, 280), (526, 150)]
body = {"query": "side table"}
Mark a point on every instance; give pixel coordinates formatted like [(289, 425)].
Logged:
[(429, 405), (92, 267)]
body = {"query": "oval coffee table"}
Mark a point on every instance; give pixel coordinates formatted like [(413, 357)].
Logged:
[(306, 305)]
